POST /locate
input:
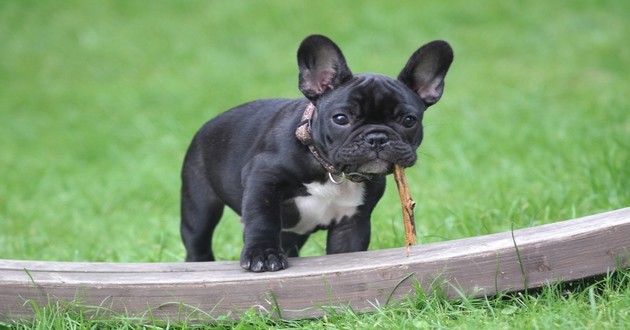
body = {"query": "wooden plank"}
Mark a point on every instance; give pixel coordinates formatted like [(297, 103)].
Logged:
[(476, 266)]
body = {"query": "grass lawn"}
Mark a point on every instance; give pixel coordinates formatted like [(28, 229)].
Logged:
[(99, 100)]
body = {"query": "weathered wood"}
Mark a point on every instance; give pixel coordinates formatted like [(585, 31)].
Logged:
[(474, 266)]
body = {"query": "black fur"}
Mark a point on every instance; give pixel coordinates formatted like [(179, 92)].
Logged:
[(249, 159)]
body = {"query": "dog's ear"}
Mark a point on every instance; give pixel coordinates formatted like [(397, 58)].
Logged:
[(426, 69), (322, 66)]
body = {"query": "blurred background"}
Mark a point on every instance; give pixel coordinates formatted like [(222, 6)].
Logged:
[(99, 100)]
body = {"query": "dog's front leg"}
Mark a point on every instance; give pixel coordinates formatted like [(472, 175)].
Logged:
[(350, 235), (262, 250)]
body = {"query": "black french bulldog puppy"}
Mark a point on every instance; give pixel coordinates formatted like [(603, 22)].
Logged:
[(290, 167)]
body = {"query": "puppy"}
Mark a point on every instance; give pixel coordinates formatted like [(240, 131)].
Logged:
[(290, 167)]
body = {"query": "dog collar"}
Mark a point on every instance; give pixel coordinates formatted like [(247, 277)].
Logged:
[(303, 134)]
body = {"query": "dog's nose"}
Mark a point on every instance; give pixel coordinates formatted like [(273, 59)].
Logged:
[(376, 139)]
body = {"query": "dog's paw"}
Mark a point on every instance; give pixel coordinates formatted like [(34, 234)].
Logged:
[(263, 259)]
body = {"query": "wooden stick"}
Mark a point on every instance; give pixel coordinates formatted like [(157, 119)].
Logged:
[(407, 206)]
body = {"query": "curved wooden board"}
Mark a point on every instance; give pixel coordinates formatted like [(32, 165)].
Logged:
[(313, 286)]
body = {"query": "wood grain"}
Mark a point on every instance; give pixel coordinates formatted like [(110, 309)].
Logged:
[(313, 286)]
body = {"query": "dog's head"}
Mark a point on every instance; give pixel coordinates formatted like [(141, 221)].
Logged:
[(365, 123)]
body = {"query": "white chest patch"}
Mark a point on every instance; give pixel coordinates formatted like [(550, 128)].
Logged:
[(327, 202)]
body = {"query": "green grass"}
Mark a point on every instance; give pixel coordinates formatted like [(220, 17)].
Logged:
[(99, 100)]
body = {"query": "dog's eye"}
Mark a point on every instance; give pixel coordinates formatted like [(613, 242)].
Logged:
[(341, 119), (409, 121)]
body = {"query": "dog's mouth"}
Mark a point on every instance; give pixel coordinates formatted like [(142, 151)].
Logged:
[(369, 169), (377, 166), (372, 155), (375, 162)]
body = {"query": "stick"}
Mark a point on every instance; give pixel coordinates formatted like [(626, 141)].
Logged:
[(407, 206)]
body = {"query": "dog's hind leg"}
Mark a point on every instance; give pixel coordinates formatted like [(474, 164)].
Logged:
[(201, 210)]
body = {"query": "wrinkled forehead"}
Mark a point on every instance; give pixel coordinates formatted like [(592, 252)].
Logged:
[(369, 91)]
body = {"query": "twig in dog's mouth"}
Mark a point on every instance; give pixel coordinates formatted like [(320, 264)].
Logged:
[(408, 205)]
